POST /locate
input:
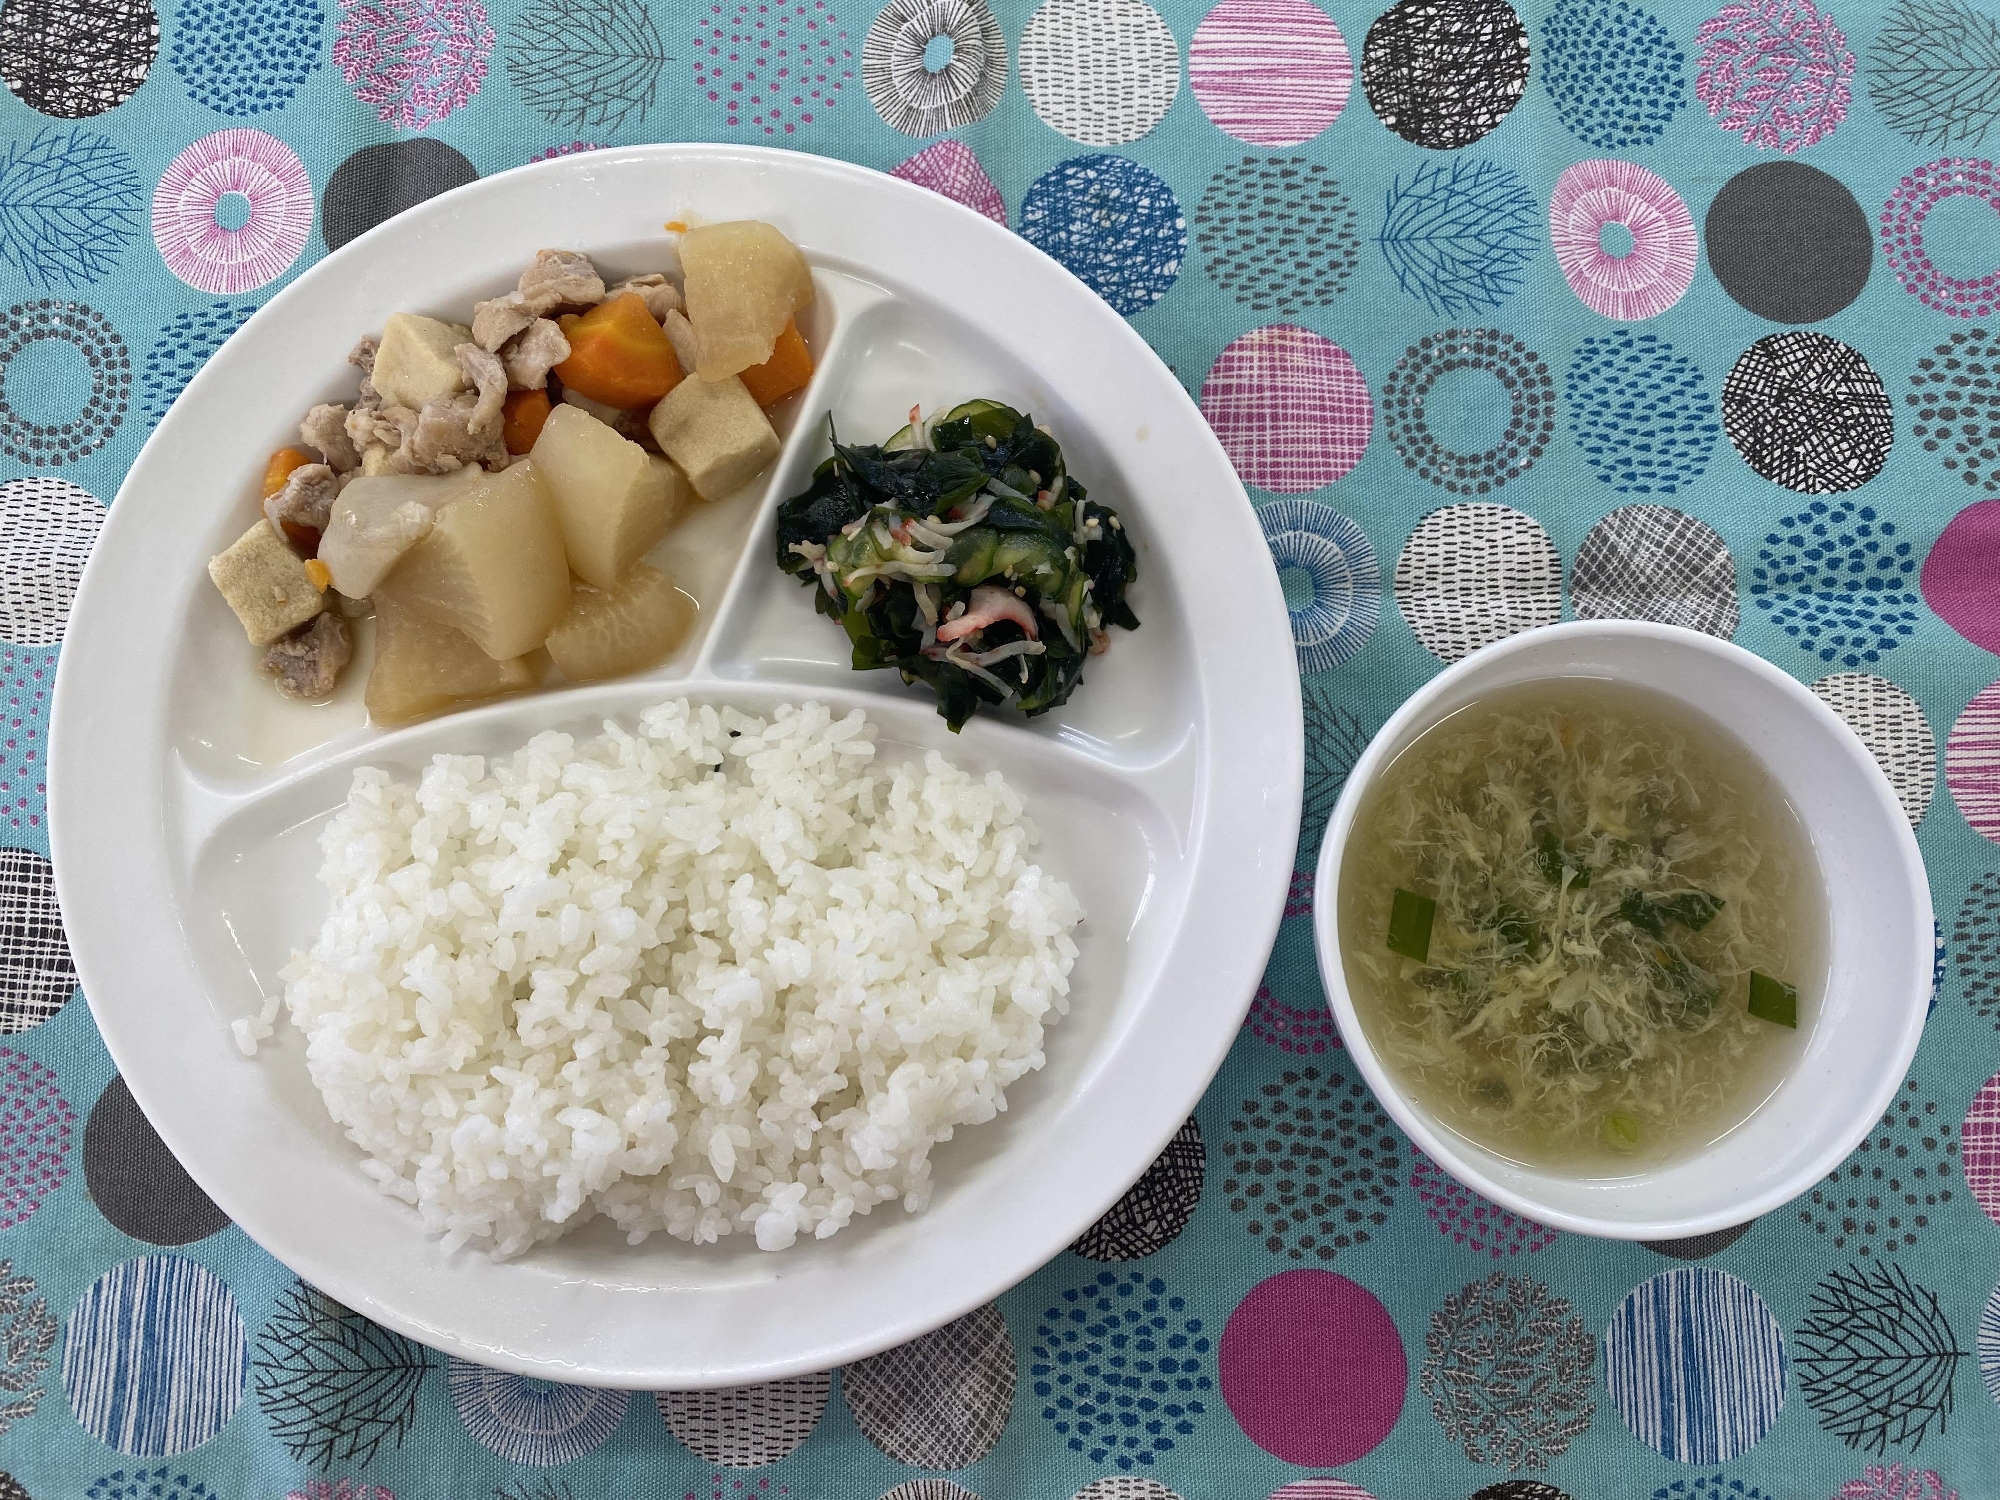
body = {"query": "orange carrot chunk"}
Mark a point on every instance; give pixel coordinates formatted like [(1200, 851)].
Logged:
[(279, 469), (521, 418), (788, 369), (618, 354)]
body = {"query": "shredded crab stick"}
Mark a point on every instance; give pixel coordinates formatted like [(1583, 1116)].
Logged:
[(989, 605)]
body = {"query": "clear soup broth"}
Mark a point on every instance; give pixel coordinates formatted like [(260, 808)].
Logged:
[(1574, 918)]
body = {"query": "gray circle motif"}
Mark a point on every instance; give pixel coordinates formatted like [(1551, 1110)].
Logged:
[(36, 974), (907, 93), (1652, 562), (1699, 1246), (378, 182), (134, 1179), (749, 1425), (1788, 242), (941, 1401)]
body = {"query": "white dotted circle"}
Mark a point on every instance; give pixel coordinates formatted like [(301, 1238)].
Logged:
[(47, 528), (1102, 72), (1473, 574), (1125, 1487), (1892, 725), (1652, 562), (750, 1425)]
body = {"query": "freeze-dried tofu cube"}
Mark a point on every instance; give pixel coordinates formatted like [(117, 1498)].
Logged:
[(416, 361), (716, 432), (266, 583)]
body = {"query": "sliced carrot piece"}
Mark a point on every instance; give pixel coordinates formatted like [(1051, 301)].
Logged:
[(280, 467), (618, 354), (788, 369), (521, 418)]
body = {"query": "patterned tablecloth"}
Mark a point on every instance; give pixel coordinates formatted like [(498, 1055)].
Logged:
[(1598, 307)]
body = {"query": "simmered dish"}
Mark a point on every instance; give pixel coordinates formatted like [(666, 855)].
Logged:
[(962, 554), (1581, 927), (714, 974), (490, 493)]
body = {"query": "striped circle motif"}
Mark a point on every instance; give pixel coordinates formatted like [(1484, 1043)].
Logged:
[(528, 1421), (1320, 1487), (263, 171), (1972, 762), (925, 1489), (152, 1356), (36, 1124), (1902, 228), (941, 1401), (1101, 72), (1695, 1364), (47, 528), (750, 1425), (1979, 1147), (1989, 1344), (1891, 723), (1646, 279), (1470, 575), (1290, 406), (916, 98), (1333, 584), (1652, 562), (1270, 72)]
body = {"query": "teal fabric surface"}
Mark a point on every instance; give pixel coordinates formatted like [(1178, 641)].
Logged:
[(1611, 307)]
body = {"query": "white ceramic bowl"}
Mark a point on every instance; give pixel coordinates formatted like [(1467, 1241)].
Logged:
[(1866, 1027)]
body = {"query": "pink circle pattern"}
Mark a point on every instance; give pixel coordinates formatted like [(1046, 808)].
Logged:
[(26, 675), (1270, 72), (1903, 219), (1775, 72), (572, 148), (1320, 1487), (415, 61), (773, 66), (1302, 1033), (1972, 762), (1655, 273), (950, 168), (1313, 1369), (1979, 1147), (1465, 1218), (1290, 406), (36, 1124), (269, 175), (1958, 575)]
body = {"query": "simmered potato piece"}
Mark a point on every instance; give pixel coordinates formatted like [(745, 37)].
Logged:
[(415, 362), (493, 565), (716, 432), (422, 668), (744, 282), (375, 520), (609, 632), (613, 502)]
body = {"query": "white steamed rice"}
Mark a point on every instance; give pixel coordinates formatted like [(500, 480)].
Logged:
[(720, 974)]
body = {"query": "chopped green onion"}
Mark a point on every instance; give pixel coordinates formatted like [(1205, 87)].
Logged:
[(1410, 925), (1620, 1131), (1773, 1000), (1694, 910)]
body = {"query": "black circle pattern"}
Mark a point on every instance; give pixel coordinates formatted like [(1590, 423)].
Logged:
[(1519, 1489), (1954, 402), (1156, 1208), (378, 182), (1788, 242), (1809, 413), (1531, 408), (1444, 73), (1313, 1165), (136, 1182), (1699, 1246), (1278, 235), (1877, 1201), (37, 976), (1975, 946), (110, 364), (77, 58)]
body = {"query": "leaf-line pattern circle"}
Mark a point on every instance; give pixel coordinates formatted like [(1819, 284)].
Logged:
[(1509, 1369), (1895, 1183), (70, 204), (1531, 408), (586, 64), (104, 353), (27, 1334), (1876, 1358), (1312, 1165), (334, 1386), (1278, 234), (1460, 234), (1808, 412), (1934, 72), (1335, 739), (1775, 73)]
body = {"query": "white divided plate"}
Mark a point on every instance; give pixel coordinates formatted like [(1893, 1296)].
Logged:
[(185, 798)]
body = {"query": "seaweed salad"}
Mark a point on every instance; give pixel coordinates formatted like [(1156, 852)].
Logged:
[(964, 555)]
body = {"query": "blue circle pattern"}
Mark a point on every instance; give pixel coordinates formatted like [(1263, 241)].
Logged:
[(1116, 226), (529, 1421), (1121, 1369), (1695, 1363), (153, 1356), (148, 1484), (243, 57), (1337, 559), (183, 347), (1460, 234), (1642, 415), (1836, 579), (1709, 1487), (1614, 72)]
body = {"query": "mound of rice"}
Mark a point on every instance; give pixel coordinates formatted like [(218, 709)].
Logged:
[(720, 974)]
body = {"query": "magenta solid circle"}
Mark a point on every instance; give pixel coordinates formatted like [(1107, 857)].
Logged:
[(1313, 1369), (1961, 577), (1290, 406)]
